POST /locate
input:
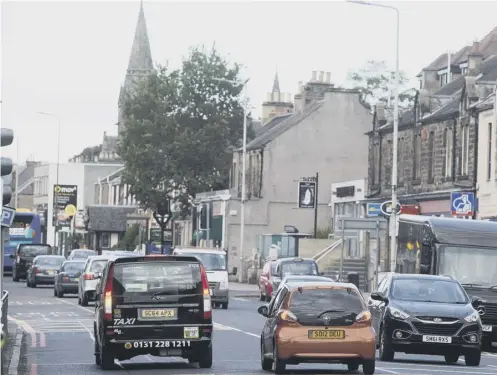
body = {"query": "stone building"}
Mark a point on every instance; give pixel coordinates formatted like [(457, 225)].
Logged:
[(437, 141), (277, 103)]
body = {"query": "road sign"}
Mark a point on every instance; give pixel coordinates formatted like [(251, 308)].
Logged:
[(462, 203), (386, 208), (307, 194), (373, 209), (7, 216), (362, 224)]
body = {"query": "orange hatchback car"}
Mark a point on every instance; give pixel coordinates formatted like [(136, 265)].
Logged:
[(317, 323)]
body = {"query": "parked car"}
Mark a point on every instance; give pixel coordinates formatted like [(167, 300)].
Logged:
[(321, 322), (149, 301), (426, 314), (88, 282), (274, 270), (68, 277), (24, 256), (302, 279), (81, 254), (44, 270)]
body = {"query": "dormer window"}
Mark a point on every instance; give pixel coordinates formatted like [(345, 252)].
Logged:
[(443, 79)]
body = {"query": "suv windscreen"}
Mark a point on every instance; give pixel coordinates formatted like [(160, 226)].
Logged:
[(33, 250), (72, 267), (428, 290), (211, 262), (50, 261), (299, 268), (165, 278), (97, 266)]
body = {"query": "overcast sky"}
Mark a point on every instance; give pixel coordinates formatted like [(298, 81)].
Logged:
[(69, 58)]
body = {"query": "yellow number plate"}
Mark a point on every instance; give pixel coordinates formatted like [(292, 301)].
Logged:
[(50, 272), (158, 314), (327, 334)]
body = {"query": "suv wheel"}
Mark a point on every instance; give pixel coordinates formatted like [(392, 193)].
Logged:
[(84, 299), (205, 360), (98, 359), (368, 367), (473, 358), (60, 293), (451, 358), (386, 352)]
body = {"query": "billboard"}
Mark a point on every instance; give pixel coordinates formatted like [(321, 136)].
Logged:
[(65, 198)]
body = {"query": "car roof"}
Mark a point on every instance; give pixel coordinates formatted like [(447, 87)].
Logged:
[(411, 276), (293, 259), (199, 250), (93, 251), (153, 258), (98, 257), (307, 277), (50, 256), (314, 285), (77, 260)]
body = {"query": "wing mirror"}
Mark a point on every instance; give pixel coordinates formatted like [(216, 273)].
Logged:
[(377, 296), (234, 271), (263, 310), (476, 301)]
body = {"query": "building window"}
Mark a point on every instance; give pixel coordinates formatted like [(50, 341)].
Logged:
[(448, 142), (431, 157), (464, 165), (464, 70), (443, 79), (489, 152), (417, 157)]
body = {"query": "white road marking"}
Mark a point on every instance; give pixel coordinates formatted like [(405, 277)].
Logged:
[(384, 369), (441, 369)]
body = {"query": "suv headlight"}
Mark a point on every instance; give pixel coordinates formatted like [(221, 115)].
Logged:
[(223, 284), (398, 314), (473, 317)]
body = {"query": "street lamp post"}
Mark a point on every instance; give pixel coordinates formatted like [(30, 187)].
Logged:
[(244, 157), (393, 217), (57, 174)]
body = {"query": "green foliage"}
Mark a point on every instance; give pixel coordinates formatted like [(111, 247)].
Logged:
[(377, 82), (130, 239), (322, 233), (181, 128)]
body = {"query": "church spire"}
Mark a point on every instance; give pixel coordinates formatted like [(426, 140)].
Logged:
[(276, 83), (141, 56)]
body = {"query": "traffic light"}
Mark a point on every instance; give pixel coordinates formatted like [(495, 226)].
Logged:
[(7, 137)]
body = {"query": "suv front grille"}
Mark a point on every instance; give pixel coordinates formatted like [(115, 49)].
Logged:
[(490, 316), (437, 329), (431, 318)]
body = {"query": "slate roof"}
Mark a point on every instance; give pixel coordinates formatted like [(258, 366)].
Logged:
[(444, 112), (280, 125), (485, 104), (105, 218)]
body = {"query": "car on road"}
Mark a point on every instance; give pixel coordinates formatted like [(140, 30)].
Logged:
[(24, 256), (44, 270), (68, 277), (426, 314), (302, 279), (88, 281), (81, 254), (320, 322), (156, 305), (274, 270)]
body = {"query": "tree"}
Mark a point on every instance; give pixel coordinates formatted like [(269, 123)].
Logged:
[(181, 129), (377, 82), (130, 239)]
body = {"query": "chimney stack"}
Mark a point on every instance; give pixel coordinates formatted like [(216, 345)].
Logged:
[(475, 57), (328, 77), (314, 76), (321, 76)]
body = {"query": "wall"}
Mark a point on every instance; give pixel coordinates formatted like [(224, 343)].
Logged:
[(331, 137), (92, 173), (487, 188)]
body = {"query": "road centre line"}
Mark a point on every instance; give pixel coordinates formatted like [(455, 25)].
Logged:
[(437, 369)]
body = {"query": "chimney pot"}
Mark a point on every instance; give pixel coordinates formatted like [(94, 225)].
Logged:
[(321, 76), (314, 75), (328, 77), (476, 47)]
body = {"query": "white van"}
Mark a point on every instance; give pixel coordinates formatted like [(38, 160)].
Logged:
[(216, 266)]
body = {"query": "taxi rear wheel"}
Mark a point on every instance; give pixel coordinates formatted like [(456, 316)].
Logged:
[(205, 361), (106, 358), (368, 367), (84, 299), (266, 363)]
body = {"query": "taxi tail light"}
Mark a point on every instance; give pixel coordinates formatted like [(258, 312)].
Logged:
[(364, 318), (108, 294), (287, 316), (206, 294)]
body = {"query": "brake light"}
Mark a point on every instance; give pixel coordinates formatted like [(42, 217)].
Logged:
[(287, 316), (108, 294), (206, 294), (89, 276), (364, 318), (65, 278)]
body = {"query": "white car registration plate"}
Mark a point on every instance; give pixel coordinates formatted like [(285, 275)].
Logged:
[(487, 328), (438, 339)]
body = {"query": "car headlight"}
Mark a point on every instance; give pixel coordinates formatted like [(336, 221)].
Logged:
[(398, 314), (473, 317), (223, 284)]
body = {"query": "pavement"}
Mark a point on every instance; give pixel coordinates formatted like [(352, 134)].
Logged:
[(60, 342)]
